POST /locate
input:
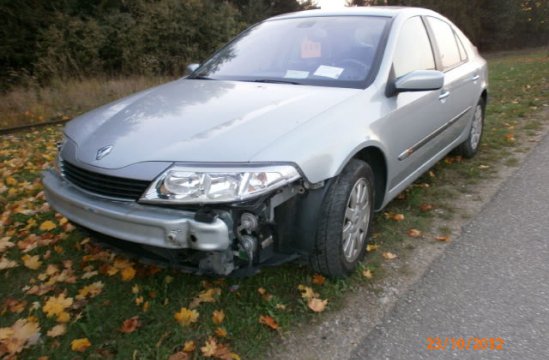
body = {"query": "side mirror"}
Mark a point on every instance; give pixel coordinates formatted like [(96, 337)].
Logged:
[(420, 80), (191, 68)]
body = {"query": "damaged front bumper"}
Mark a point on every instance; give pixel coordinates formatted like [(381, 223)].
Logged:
[(216, 242)]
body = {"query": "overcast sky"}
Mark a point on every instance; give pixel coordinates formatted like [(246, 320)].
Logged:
[(330, 4)]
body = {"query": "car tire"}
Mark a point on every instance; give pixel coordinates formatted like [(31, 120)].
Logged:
[(470, 146), (345, 220)]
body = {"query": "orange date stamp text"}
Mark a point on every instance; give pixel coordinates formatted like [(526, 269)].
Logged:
[(461, 343)]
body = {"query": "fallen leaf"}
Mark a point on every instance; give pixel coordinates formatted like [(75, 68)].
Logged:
[(130, 325), (6, 263), (80, 345), (317, 305), (318, 279), (180, 355), (389, 255), (268, 321), (398, 217), (218, 316), (127, 273), (307, 292), (57, 330), (22, 334), (186, 317), (207, 296), (5, 243), (371, 247), (209, 348), (221, 332), (415, 233), (264, 294), (280, 307), (189, 346), (56, 306), (31, 262), (90, 291), (425, 207), (47, 225), (368, 274), (442, 238)]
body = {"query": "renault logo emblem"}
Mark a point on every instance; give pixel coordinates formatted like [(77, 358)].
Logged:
[(104, 151)]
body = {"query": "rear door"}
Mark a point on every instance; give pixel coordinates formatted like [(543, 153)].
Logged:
[(461, 78)]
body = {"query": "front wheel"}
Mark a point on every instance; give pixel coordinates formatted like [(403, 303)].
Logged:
[(470, 146), (345, 219)]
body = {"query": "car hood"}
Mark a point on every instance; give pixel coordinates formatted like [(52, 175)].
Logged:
[(197, 121)]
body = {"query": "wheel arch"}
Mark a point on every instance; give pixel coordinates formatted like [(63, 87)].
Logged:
[(377, 161)]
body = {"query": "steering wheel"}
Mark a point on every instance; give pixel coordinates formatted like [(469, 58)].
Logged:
[(354, 68)]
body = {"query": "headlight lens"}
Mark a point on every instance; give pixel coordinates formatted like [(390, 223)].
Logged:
[(184, 185)]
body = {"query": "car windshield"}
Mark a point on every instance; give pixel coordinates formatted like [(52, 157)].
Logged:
[(327, 51)]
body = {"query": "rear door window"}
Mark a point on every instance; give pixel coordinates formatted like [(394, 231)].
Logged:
[(445, 38)]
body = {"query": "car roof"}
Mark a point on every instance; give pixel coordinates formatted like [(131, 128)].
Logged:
[(389, 11)]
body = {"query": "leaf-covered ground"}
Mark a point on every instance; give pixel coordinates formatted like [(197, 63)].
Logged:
[(64, 297)]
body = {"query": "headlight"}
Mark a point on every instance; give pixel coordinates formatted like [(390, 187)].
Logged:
[(184, 185)]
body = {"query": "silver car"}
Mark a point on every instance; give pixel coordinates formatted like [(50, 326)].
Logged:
[(280, 146)]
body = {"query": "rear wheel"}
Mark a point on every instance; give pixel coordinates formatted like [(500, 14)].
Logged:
[(470, 146), (345, 220)]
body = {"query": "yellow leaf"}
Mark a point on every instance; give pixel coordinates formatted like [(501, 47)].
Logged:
[(91, 290), (307, 293), (210, 348), (64, 317), (80, 345), (57, 330), (218, 316), (389, 256), (189, 346), (368, 274), (221, 332), (371, 247), (10, 181), (127, 273), (135, 289), (56, 305), (209, 296), (186, 317), (31, 262), (47, 225), (317, 305)]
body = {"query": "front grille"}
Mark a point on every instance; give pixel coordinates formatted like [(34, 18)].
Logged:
[(105, 185)]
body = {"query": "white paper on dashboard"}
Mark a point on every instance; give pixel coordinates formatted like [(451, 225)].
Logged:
[(328, 71), (296, 74)]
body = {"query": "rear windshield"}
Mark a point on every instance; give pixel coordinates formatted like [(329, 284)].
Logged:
[(326, 51)]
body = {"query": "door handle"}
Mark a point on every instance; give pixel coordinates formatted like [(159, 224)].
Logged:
[(475, 77), (444, 95)]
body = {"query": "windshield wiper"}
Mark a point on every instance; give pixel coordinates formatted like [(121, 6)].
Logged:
[(272, 81)]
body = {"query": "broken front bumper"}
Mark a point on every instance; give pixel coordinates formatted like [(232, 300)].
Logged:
[(147, 225)]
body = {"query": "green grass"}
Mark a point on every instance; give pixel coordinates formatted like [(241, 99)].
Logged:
[(517, 90)]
